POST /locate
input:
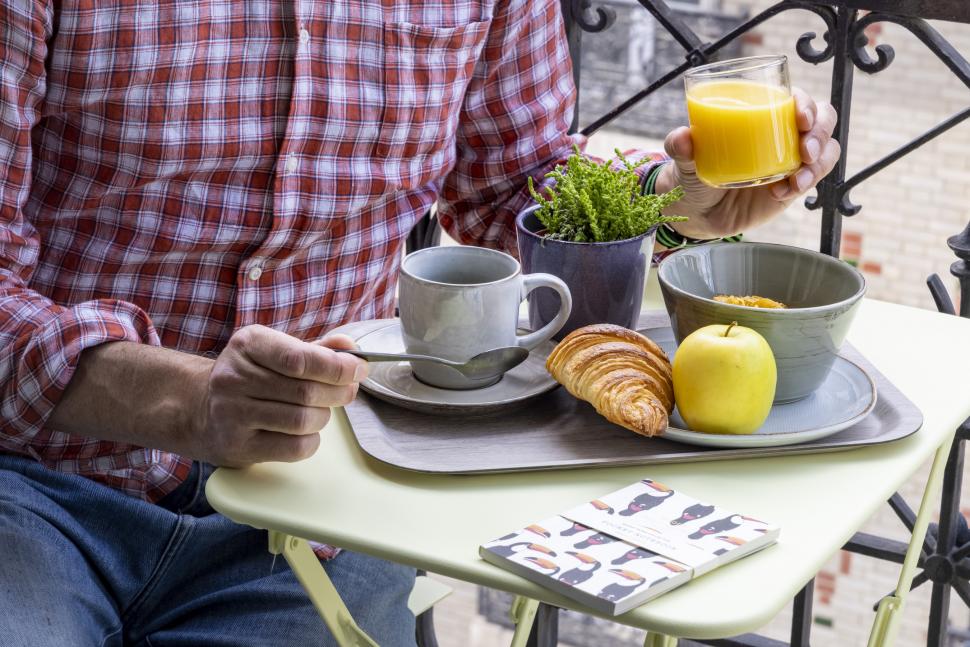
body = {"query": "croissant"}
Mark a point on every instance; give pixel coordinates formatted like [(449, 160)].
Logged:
[(624, 375)]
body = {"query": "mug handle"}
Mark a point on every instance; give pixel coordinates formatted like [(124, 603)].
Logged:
[(529, 283)]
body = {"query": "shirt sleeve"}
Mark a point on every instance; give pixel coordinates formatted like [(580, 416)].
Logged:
[(514, 124), (40, 341)]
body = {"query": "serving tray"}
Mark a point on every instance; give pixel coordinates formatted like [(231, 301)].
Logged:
[(557, 431)]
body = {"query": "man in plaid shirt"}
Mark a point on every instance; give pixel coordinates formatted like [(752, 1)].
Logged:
[(192, 194)]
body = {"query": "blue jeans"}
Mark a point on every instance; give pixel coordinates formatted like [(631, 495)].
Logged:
[(83, 564)]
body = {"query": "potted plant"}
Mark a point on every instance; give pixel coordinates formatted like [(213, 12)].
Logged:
[(594, 229)]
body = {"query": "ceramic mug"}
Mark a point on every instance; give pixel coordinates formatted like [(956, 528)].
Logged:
[(456, 302)]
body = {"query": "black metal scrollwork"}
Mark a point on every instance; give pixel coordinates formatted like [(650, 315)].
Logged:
[(846, 206), (885, 54), (960, 244), (934, 41), (804, 46), (605, 16), (861, 58)]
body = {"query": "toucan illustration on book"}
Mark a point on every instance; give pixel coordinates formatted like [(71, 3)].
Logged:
[(581, 573), (673, 567), (595, 540), (614, 592), (632, 554), (717, 526), (602, 506), (734, 541), (539, 530), (511, 549), (645, 501), (573, 529), (693, 513), (544, 564)]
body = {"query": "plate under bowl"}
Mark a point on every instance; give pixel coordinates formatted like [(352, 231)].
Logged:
[(846, 396)]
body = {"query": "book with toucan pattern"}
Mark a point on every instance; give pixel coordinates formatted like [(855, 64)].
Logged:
[(621, 550)]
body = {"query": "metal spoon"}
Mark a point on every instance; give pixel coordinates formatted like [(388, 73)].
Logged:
[(488, 364)]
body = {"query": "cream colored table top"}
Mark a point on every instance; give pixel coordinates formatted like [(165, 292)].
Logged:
[(435, 522)]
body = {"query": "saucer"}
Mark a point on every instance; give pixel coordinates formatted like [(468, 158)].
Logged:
[(394, 382), (847, 395)]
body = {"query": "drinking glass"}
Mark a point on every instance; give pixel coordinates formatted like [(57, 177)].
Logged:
[(742, 121)]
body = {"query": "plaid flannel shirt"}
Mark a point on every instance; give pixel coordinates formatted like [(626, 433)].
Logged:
[(172, 171)]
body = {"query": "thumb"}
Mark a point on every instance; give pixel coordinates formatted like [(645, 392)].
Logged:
[(680, 148), (345, 342), (338, 341), (698, 198)]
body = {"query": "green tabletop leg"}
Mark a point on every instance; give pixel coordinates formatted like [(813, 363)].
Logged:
[(306, 565), (886, 623), (523, 614), (659, 640)]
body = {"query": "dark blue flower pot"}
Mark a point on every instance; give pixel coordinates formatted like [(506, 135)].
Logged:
[(605, 279)]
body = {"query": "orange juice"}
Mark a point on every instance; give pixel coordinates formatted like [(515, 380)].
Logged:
[(742, 131)]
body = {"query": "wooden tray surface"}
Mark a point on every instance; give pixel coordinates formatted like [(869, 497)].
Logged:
[(557, 431)]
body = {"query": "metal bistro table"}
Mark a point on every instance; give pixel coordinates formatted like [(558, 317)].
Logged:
[(436, 522)]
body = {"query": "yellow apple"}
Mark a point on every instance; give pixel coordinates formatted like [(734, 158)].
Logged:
[(724, 379)]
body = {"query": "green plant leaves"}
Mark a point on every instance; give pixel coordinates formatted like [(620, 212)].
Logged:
[(593, 203)]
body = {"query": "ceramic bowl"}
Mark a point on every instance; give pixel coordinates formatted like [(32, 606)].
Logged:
[(822, 294)]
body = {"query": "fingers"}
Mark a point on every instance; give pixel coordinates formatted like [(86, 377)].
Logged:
[(680, 147), (266, 385), (808, 175), (241, 414), (307, 393), (338, 341), (814, 141), (242, 431), (269, 395), (294, 358), (286, 418), (805, 110), (819, 152), (272, 446)]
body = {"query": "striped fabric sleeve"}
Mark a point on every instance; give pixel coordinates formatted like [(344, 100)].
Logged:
[(667, 236), (40, 341)]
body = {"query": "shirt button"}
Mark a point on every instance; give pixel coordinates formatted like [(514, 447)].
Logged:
[(255, 272), (291, 163), (304, 36)]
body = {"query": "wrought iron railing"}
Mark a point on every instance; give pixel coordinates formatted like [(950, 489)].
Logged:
[(632, 52), (843, 41)]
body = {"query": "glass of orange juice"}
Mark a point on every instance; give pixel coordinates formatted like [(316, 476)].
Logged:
[(742, 121)]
